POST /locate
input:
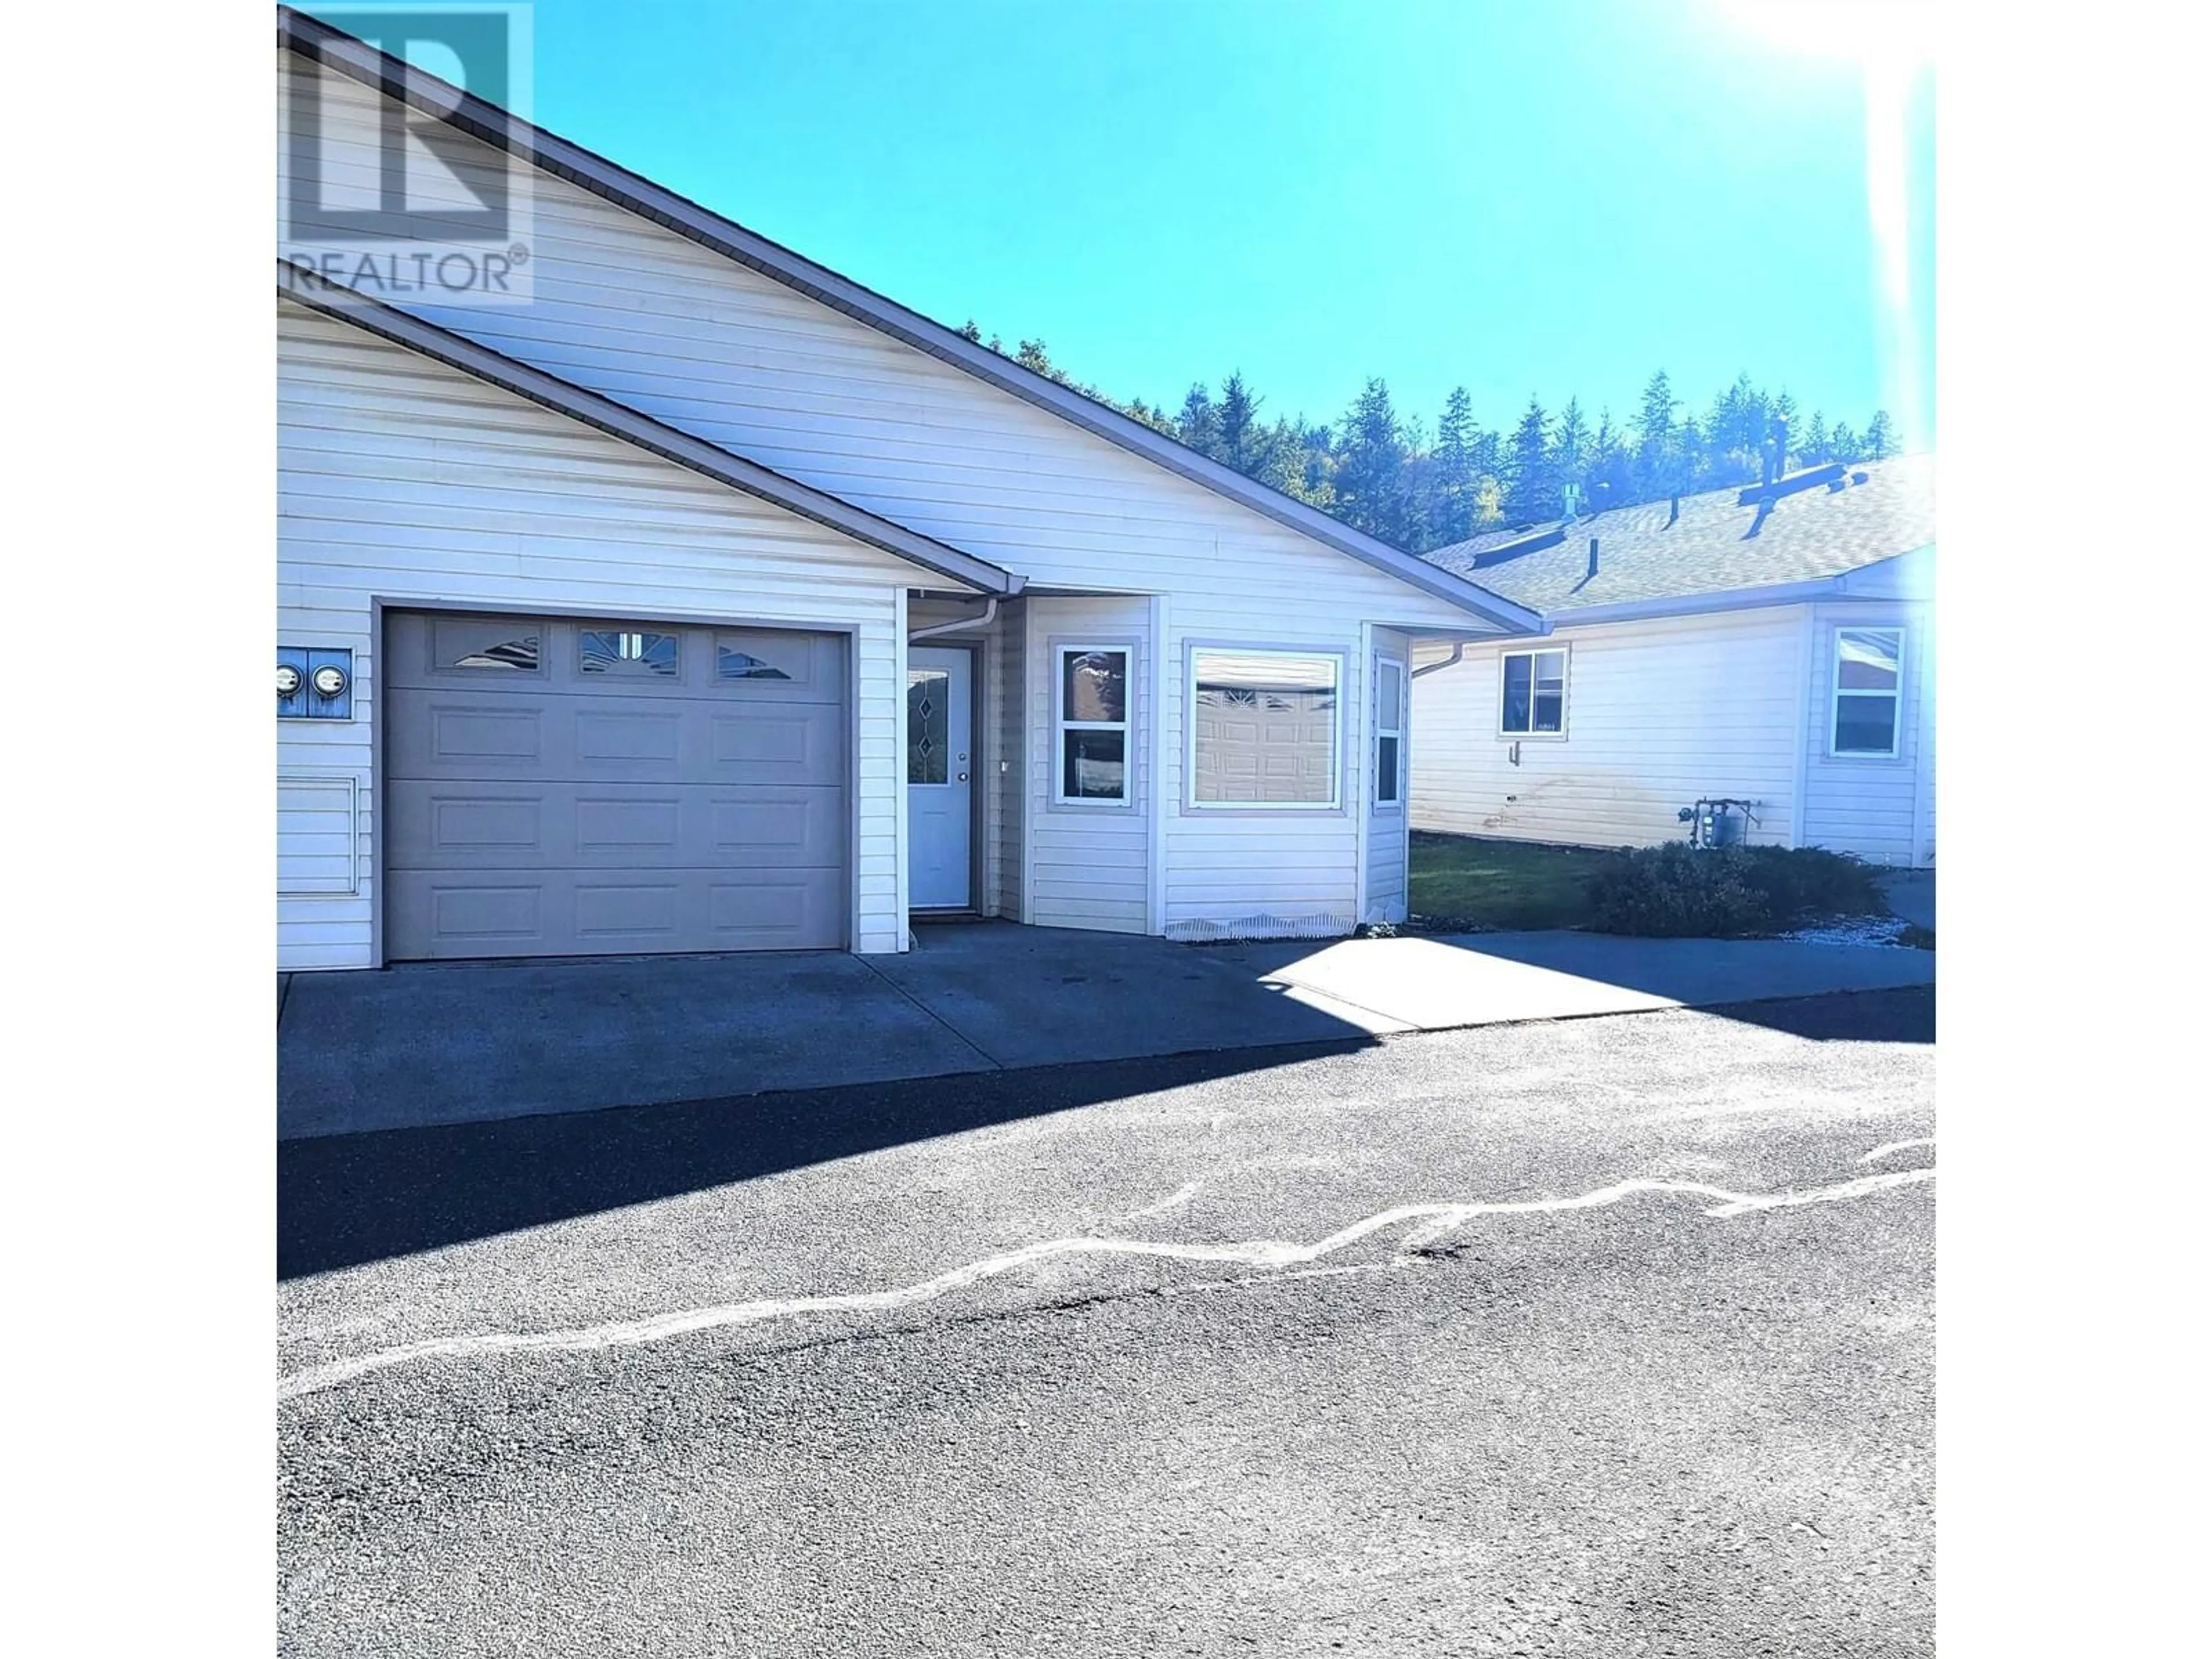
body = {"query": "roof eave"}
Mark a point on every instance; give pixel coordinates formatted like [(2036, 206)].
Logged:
[(641, 431), (1691, 605), (339, 50)]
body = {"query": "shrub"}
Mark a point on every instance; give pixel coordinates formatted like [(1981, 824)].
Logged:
[(1677, 890)]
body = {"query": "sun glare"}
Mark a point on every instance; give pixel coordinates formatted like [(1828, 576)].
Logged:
[(1895, 35)]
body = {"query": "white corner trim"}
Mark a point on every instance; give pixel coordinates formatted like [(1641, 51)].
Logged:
[(1801, 773), (1156, 735)]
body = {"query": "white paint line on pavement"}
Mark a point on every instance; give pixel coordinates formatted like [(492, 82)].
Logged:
[(1435, 1220), (1183, 1194), (1892, 1148)]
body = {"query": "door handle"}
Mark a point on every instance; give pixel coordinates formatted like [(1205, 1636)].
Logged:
[(964, 777)]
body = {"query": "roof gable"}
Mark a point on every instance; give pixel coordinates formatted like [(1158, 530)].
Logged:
[(549, 392), (485, 122)]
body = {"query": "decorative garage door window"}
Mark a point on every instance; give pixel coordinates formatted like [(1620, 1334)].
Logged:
[(497, 647), (732, 664), (1869, 684), (1264, 729), (611, 651), (764, 660), (929, 703), (1093, 693)]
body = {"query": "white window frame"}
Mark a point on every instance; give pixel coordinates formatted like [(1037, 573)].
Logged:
[(1837, 692), (1566, 692), (1394, 727), (1340, 666), (1062, 649)]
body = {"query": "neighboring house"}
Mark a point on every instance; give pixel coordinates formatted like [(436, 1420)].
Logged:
[(1773, 645), (708, 601)]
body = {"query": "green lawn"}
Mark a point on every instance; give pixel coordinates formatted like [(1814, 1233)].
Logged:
[(1466, 880)]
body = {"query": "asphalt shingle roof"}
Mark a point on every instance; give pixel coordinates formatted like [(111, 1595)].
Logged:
[(1809, 535)]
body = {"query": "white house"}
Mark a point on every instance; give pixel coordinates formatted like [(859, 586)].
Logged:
[(709, 601), (1774, 645)]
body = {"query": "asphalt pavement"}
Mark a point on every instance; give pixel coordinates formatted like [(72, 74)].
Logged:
[(1612, 1336)]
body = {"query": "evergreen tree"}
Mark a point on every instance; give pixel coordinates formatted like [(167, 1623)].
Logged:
[(1571, 451), (1612, 475), (1452, 518), (1196, 425), (1031, 355), (1532, 492), (1657, 468), (1237, 434), (1379, 473), (1782, 422), (1370, 459), (1305, 463)]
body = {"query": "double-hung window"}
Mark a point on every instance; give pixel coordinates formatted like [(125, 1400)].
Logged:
[(1389, 731), (1868, 692), (1091, 763), (1532, 693)]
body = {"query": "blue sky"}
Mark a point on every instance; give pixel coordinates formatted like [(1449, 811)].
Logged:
[(1522, 197)]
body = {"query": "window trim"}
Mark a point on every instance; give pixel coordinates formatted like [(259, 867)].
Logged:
[(1566, 686), (1341, 661), (1396, 803), (1838, 692), (1060, 648)]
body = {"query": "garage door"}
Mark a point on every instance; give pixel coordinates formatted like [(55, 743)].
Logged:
[(556, 788)]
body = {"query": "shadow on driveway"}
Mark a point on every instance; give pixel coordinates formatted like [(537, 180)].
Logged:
[(343, 1200)]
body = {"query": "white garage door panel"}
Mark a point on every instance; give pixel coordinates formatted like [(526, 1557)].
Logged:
[(557, 788)]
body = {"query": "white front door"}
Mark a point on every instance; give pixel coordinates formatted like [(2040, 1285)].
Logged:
[(940, 743)]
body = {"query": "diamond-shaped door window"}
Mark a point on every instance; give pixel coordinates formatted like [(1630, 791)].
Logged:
[(927, 736)]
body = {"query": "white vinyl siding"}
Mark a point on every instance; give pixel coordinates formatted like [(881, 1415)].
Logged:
[(407, 482), (1869, 803), (317, 835), (641, 315), (1659, 714), (630, 310), (1007, 759), (1088, 868)]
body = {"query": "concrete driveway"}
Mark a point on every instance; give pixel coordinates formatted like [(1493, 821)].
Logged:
[(438, 1043)]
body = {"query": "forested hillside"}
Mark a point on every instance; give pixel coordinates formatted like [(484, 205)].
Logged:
[(1388, 473)]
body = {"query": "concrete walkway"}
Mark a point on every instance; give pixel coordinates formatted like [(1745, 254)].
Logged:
[(407, 1047), (1911, 894)]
